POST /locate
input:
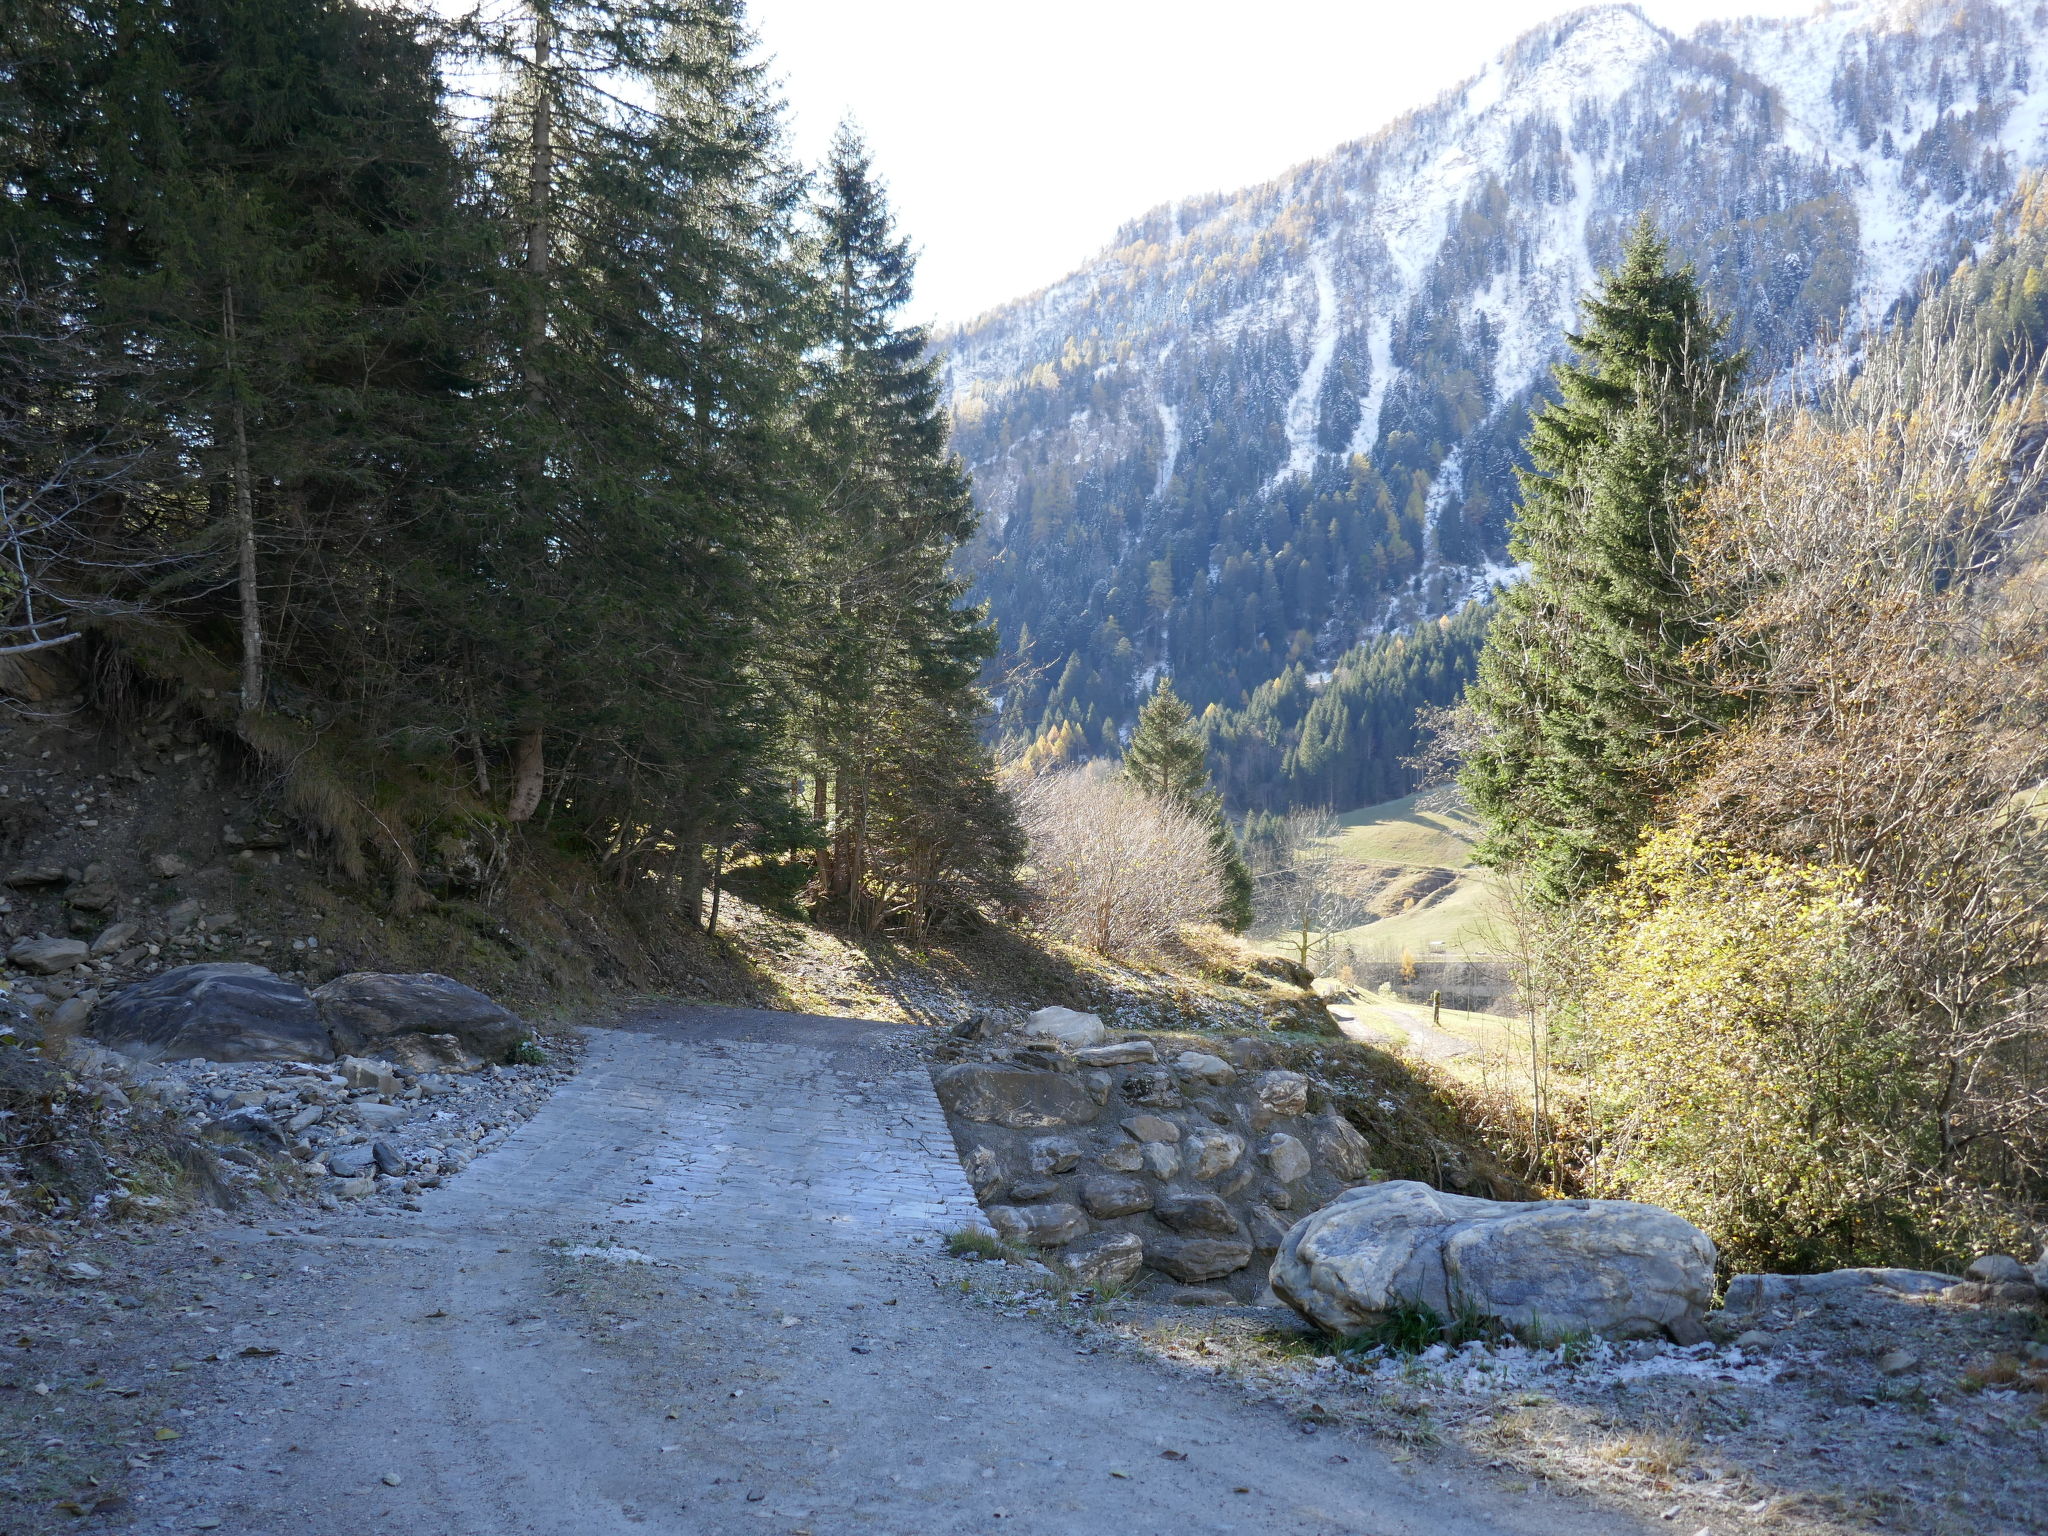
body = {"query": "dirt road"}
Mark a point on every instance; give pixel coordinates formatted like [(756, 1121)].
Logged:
[(702, 1292)]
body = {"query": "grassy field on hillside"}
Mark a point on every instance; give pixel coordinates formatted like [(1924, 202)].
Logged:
[(1433, 830)]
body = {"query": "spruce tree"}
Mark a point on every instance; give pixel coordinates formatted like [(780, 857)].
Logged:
[(882, 655), (650, 331), (1588, 684), (1167, 759)]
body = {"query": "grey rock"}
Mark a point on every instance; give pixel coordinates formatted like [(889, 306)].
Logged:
[(1043, 1226), (1123, 1053), (93, 895), (2040, 1270), (1054, 1154), (379, 1117), (1151, 1128), (984, 1169), (350, 1162), (1283, 1093), (169, 866), (1192, 1260), (309, 1116), (1268, 1229), (46, 957), (1339, 1146), (221, 1012), (1106, 1196), (24, 876), (1012, 1097), (1286, 1156), (1205, 1154), (388, 1158), (1033, 1188), (1998, 1269), (1098, 1084), (1753, 1293), (356, 1188), (1065, 1027), (1192, 1212), (365, 1010), (1608, 1267), (1162, 1161), (1201, 1067), (1108, 1258), (1897, 1362), (113, 938), (1123, 1157), (181, 917), (364, 1075)]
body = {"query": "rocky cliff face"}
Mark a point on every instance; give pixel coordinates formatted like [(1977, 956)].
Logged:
[(1263, 425)]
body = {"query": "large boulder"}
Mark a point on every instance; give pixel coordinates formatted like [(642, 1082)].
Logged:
[(222, 1012), (1076, 1031), (366, 1012), (1549, 1267), (1016, 1097)]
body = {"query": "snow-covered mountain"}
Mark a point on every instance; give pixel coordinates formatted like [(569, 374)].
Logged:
[(1262, 426)]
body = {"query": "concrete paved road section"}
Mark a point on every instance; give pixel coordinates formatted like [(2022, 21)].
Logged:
[(702, 1292)]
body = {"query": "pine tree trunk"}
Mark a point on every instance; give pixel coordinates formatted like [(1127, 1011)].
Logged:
[(527, 770), (528, 775), (245, 576), (245, 519)]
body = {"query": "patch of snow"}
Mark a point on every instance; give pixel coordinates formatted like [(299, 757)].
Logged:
[(1379, 352), (614, 1254), (1302, 411), (1169, 454)]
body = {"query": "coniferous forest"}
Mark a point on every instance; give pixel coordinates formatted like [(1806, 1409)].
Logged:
[(491, 426)]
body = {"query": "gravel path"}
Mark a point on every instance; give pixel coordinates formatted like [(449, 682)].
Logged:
[(701, 1292)]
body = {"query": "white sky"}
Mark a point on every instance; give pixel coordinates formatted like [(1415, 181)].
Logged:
[(1016, 137)]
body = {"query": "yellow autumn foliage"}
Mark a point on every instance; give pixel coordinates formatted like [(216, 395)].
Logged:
[(1744, 1072)]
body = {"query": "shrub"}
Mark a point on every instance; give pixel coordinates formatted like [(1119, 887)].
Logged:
[(1111, 867), (1745, 1072)]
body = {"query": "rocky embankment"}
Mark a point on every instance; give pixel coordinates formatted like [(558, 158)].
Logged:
[(373, 1085), (1116, 1156)]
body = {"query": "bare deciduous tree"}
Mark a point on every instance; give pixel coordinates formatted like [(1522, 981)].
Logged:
[(1301, 884), (1112, 868)]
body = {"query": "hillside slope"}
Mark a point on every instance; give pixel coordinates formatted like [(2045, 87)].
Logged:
[(1263, 425)]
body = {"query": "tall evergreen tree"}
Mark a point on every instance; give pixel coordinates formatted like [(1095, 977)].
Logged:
[(1166, 758), (651, 327), (884, 656), (1587, 684)]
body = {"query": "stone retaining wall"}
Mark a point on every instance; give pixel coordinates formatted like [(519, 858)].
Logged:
[(1191, 1164)]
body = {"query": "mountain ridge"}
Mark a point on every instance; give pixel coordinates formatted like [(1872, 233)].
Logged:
[(1262, 426)]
